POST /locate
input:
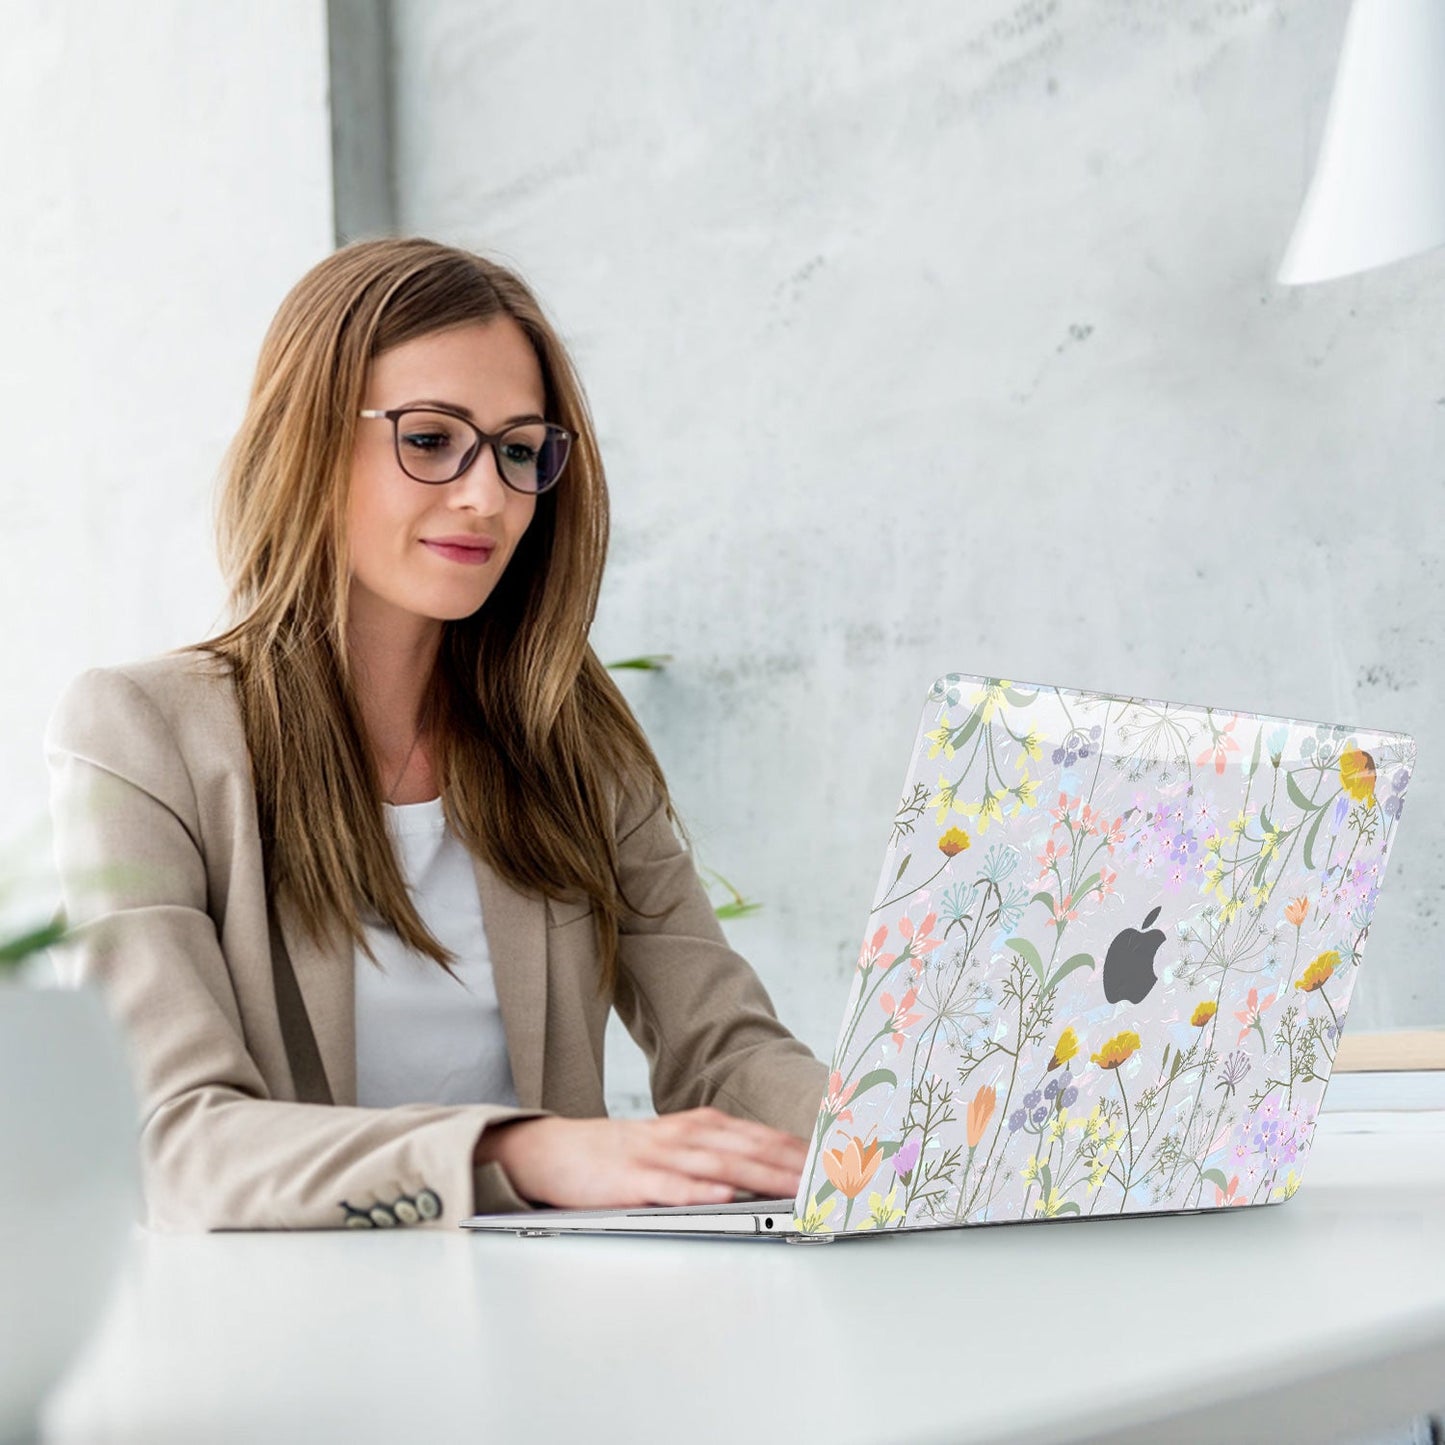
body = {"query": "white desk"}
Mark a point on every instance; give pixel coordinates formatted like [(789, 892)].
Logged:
[(1324, 1313)]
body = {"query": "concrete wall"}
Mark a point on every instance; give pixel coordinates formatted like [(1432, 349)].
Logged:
[(167, 178), (946, 338)]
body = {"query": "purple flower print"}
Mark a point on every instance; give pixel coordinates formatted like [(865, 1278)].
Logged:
[(907, 1155), (1183, 846), (1016, 1120), (1341, 812)]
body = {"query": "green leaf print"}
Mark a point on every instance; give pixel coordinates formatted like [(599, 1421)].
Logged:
[(1027, 951), (1297, 797), (1079, 960)]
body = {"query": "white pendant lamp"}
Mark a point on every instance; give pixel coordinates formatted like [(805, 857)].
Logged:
[(1378, 193)]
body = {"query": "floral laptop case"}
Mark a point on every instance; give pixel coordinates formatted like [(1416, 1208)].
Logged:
[(1108, 961)]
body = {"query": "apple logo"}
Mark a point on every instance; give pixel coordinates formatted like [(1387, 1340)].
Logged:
[(1129, 964)]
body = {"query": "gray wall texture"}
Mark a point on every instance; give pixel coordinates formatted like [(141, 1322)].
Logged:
[(941, 337)]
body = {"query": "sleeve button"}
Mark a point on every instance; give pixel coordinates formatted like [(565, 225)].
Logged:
[(381, 1216), (405, 1210), (429, 1204), (357, 1219)]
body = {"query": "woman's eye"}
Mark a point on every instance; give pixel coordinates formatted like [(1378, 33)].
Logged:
[(519, 453), (426, 441)]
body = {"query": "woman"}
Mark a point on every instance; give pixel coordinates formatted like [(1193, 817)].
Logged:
[(378, 858)]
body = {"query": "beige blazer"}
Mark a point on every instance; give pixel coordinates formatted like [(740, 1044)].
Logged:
[(149, 767)]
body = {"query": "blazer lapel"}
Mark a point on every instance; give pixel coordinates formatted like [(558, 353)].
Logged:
[(327, 987), (516, 930)]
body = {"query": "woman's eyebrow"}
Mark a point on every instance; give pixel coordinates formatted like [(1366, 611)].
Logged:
[(467, 411)]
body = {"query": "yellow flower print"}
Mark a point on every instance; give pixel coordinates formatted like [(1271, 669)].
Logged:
[(953, 842), (947, 798), (1237, 824), (1291, 1183), (1028, 748), (1031, 1169), (1357, 775), (939, 737), (989, 810), (881, 1212), (1027, 794), (1050, 1206), (815, 1221), (1258, 897), (1203, 1013), (1318, 973), (1230, 908), (1117, 1050), (1065, 1049), (1060, 1123), (991, 698)]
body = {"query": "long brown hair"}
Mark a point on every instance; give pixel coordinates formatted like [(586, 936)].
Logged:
[(531, 736)]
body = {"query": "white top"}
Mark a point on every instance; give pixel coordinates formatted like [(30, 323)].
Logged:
[(422, 1037)]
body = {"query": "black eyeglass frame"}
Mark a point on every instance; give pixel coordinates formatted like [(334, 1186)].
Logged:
[(394, 415)]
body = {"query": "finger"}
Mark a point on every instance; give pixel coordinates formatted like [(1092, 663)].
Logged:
[(750, 1134), (742, 1171), (654, 1186), (757, 1141)]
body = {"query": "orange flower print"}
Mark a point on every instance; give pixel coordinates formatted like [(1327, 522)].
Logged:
[(919, 942), (1117, 1050), (1051, 855), (1357, 775), (1203, 1013), (872, 956), (852, 1167), (979, 1113), (954, 842), (1064, 1050), (1249, 1015), (1062, 811), (837, 1097), (1297, 910), (1318, 973), (1062, 911), (1223, 1198), (1222, 745), (899, 1016)]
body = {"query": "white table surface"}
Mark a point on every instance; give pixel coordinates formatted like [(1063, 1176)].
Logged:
[(1297, 1321)]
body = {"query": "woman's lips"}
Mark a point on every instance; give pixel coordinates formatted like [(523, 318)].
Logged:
[(467, 556)]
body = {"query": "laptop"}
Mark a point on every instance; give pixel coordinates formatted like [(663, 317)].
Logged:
[(1104, 972)]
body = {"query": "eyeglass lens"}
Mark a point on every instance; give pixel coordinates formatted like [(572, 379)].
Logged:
[(435, 447)]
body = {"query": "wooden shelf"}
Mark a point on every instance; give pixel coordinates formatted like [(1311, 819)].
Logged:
[(1391, 1049)]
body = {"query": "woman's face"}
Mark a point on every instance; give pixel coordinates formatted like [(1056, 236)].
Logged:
[(489, 369)]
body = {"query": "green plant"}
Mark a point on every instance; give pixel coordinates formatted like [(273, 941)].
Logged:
[(15, 950)]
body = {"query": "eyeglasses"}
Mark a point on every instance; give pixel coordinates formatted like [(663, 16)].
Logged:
[(436, 446)]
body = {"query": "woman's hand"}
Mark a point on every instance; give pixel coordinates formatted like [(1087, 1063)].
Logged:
[(698, 1156)]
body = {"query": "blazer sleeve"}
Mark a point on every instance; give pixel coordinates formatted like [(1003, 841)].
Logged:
[(218, 1152), (697, 1008)]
